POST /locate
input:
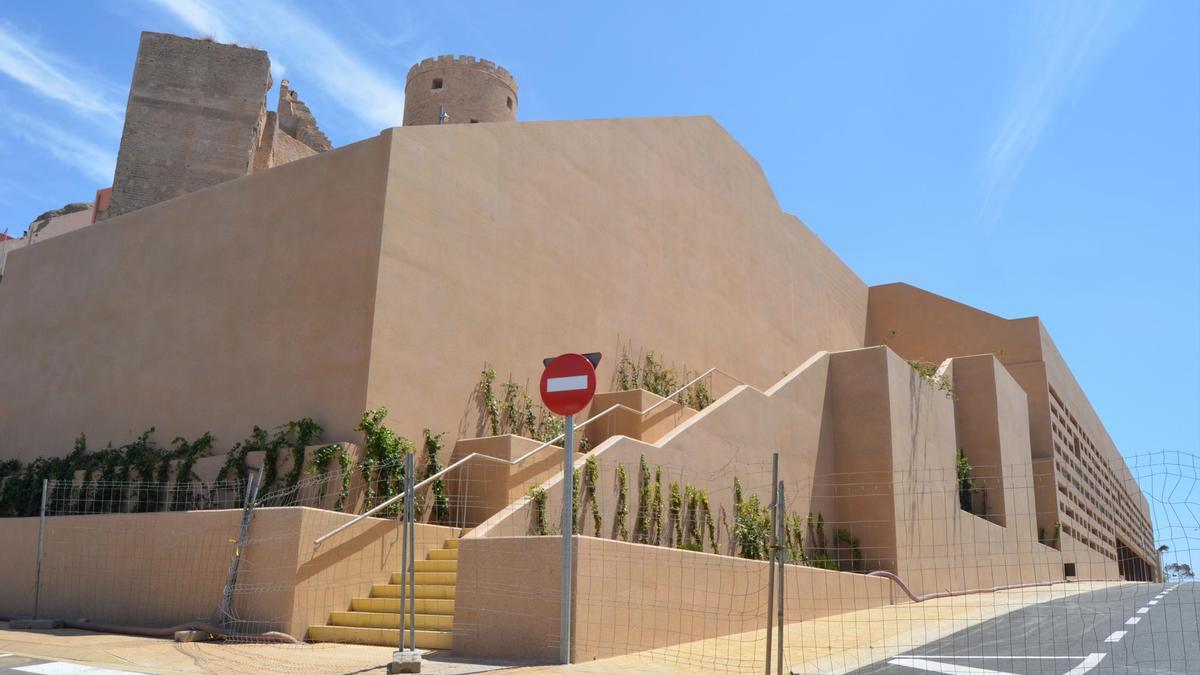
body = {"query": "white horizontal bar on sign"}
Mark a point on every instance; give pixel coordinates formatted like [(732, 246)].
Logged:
[(572, 383)]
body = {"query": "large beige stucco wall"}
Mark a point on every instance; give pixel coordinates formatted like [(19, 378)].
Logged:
[(246, 303), (506, 243), (921, 325), (273, 297)]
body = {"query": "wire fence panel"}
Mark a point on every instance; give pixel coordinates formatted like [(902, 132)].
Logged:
[(1024, 567)]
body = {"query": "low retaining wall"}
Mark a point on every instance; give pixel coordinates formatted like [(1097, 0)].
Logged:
[(162, 569), (628, 597)]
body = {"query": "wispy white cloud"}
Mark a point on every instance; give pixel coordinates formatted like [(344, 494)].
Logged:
[(313, 53), (1066, 40), (48, 75), (201, 17), (94, 161)]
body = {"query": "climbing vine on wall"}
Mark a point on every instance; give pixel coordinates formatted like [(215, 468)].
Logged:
[(622, 530), (383, 462), (539, 524), (649, 372), (516, 414), (440, 512), (591, 471), (641, 525)]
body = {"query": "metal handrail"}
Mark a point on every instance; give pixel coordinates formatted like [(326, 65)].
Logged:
[(512, 462)]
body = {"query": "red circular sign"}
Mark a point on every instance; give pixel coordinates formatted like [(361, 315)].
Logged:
[(568, 384)]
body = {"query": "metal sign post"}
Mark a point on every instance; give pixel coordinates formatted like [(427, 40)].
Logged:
[(567, 386), (568, 524)]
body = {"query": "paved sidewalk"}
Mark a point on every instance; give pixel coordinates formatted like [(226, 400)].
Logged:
[(835, 644)]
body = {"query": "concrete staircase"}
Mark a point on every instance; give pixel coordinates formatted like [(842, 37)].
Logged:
[(376, 620)]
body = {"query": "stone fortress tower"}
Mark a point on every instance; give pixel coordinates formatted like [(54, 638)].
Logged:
[(459, 89)]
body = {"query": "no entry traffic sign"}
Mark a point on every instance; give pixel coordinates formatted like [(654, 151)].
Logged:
[(568, 384)]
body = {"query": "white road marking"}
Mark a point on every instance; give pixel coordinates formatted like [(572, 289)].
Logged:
[(1143, 610), (1133, 621), (1086, 663), (996, 658), (1090, 662), (572, 383), (1116, 636), (1152, 602), (947, 668)]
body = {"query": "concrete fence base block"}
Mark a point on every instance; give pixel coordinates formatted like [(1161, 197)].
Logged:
[(407, 661), (34, 624), (191, 636)]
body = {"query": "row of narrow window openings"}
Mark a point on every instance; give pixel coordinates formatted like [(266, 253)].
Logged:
[(437, 84)]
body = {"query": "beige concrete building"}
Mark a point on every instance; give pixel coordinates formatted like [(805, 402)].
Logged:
[(286, 279)]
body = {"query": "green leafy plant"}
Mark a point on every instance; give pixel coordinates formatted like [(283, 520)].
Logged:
[(656, 510), (657, 377), (591, 471), (622, 503), (929, 373), (675, 517), (299, 435), (848, 550), (627, 375), (322, 458), (440, 512), (697, 396), (187, 454), (965, 483), (752, 528), (641, 526), (709, 524), (383, 464), (491, 407), (793, 536), (538, 523)]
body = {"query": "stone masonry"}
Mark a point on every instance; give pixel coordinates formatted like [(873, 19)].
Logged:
[(197, 116), (195, 113)]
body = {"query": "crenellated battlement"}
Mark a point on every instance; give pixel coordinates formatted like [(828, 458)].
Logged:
[(463, 61)]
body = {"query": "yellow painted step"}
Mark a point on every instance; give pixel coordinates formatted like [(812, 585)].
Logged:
[(384, 637), (439, 591), (430, 578), (389, 620), (450, 543), (444, 554), (435, 566), (424, 605)]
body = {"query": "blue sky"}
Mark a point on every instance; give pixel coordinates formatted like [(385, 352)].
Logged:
[(1022, 157)]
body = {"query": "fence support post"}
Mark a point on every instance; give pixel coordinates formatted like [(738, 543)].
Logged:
[(781, 555), (226, 609), (37, 587), (771, 555)]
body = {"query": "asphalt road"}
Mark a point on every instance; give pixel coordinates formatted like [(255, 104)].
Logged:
[(1143, 628)]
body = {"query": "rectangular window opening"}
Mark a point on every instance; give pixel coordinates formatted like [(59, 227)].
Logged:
[(437, 83)]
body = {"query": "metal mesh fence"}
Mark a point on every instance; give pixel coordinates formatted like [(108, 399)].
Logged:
[(1009, 568)]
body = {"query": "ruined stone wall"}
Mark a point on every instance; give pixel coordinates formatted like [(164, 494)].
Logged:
[(297, 120), (195, 115), (466, 89)]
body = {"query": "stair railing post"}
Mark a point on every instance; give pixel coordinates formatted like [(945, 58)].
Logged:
[(410, 520), (402, 521)]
